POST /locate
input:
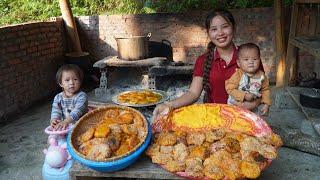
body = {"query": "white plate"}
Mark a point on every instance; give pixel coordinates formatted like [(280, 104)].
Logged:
[(162, 93)]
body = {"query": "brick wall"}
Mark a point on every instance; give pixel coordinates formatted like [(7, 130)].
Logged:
[(186, 33), (29, 57)]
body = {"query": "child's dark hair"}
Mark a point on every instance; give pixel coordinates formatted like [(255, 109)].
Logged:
[(210, 48), (69, 67), (249, 46)]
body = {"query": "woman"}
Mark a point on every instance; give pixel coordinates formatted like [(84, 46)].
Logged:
[(213, 68)]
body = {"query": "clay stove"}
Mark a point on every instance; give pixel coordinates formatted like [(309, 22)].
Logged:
[(151, 69)]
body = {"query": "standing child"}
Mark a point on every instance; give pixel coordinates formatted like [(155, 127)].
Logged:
[(69, 105), (249, 82)]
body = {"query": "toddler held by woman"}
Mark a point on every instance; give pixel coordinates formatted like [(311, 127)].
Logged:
[(249, 82)]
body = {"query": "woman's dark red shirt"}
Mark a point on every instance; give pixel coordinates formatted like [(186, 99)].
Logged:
[(219, 73)]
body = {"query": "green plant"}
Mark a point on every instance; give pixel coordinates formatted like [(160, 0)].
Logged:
[(17, 11)]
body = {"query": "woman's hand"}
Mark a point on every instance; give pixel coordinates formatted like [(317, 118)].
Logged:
[(162, 110), (251, 105)]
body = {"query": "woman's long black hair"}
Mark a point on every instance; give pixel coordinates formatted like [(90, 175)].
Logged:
[(210, 47)]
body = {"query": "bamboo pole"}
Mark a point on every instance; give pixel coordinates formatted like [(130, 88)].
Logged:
[(70, 25), (280, 44)]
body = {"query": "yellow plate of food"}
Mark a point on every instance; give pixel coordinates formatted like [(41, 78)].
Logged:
[(140, 98)]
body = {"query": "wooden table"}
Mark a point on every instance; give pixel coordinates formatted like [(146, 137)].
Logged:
[(143, 168)]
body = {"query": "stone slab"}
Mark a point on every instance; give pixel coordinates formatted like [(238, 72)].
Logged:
[(284, 101), (295, 139), (116, 62), (307, 128), (170, 70)]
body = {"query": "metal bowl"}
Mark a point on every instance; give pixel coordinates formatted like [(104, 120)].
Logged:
[(162, 93), (310, 98)]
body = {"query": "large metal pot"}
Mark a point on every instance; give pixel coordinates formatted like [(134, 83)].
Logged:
[(133, 47)]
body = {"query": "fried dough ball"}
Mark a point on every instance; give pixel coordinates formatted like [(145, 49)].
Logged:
[(180, 133), (112, 113), (268, 151), (212, 168), (127, 144), (153, 149), (199, 151), (161, 158), (213, 172), (125, 118), (175, 166), (232, 145), (232, 170), (132, 141), (129, 129), (85, 147), (211, 160), (101, 131), (166, 139), (194, 167), (86, 136), (142, 133), (196, 138), (273, 139), (217, 146), (252, 144), (225, 161), (123, 149), (181, 137), (115, 129), (180, 152), (99, 152), (207, 145), (223, 157), (250, 169), (214, 135), (252, 156), (113, 142), (138, 121), (107, 121), (236, 156), (166, 149)]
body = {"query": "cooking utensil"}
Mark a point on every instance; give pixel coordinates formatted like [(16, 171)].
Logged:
[(161, 49), (133, 47)]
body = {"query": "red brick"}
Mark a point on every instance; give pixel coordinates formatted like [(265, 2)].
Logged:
[(11, 35), (12, 48), (14, 61), (24, 45), (34, 31), (32, 49)]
